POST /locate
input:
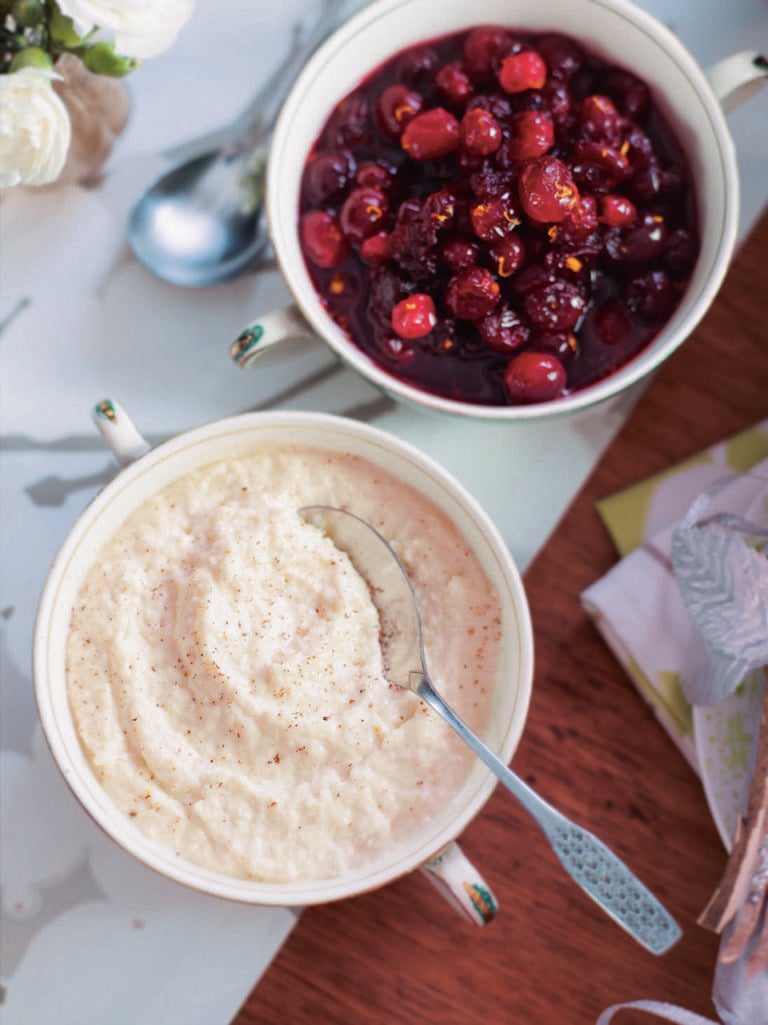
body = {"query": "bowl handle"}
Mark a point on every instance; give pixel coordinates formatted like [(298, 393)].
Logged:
[(738, 77), (269, 330), (119, 432), (457, 879)]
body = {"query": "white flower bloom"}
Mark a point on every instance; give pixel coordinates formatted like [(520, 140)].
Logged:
[(141, 28), (35, 130)]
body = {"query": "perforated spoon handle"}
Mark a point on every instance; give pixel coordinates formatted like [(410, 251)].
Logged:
[(597, 870)]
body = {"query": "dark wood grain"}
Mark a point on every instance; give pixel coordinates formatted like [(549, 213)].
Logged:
[(592, 746)]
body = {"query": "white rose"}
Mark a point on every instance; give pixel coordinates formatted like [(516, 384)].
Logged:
[(34, 128), (141, 28)]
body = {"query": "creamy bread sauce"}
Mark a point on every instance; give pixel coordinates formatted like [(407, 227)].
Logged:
[(225, 674)]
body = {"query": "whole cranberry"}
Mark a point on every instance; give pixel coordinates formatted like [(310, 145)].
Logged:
[(375, 249), (472, 294), (363, 213), (417, 65), (641, 244), (322, 240), (435, 133), (373, 174), (327, 176), (503, 330), (521, 71), (562, 55), (440, 208), (599, 166), (531, 134), (547, 190), (457, 252), (494, 218), (651, 297), (581, 222), (617, 211), (453, 84), (555, 306), (480, 131), (483, 50), (396, 106), (562, 344), (534, 377), (599, 118), (508, 255), (415, 316), (349, 123)]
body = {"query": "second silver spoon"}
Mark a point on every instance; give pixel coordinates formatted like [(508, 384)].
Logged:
[(596, 869)]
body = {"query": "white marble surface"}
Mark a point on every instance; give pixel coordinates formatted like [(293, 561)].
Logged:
[(89, 937)]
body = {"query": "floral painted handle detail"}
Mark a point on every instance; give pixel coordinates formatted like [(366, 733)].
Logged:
[(119, 431), (451, 872), (270, 330)]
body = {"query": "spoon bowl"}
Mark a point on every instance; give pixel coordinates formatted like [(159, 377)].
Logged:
[(203, 221), (592, 865)]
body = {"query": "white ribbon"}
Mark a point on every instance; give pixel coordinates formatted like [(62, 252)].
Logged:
[(678, 1015)]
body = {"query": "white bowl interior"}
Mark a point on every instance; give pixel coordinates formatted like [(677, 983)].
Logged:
[(613, 29), (238, 436)]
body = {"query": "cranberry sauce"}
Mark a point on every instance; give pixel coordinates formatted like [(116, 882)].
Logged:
[(498, 217)]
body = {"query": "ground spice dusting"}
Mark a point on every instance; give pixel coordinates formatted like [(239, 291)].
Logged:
[(233, 623)]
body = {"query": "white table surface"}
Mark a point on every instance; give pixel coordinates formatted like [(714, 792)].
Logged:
[(88, 936)]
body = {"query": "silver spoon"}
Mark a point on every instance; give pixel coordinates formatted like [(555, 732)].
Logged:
[(202, 222), (597, 870)]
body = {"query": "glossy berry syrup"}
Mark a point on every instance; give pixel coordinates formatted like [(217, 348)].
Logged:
[(498, 217)]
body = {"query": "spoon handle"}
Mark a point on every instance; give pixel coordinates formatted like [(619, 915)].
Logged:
[(597, 870), (255, 123)]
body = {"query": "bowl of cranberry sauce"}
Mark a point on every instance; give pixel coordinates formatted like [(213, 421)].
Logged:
[(499, 217)]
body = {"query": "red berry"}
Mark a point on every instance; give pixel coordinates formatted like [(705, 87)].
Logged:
[(554, 306), (373, 175), (534, 377), (363, 213), (473, 293), (547, 190), (503, 330), (415, 316), (508, 254), (396, 106), (599, 118), (453, 83), (617, 211), (492, 219), (531, 135), (480, 131), (457, 253), (375, 249), (327, 176), (522, 71), (562, 344), (435, 133), (483, 50), (322, 239), (598, 165)]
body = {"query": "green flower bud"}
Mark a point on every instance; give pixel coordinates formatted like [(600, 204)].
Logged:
[(62, 30), (31, 57), (28, 13), (102, 60)]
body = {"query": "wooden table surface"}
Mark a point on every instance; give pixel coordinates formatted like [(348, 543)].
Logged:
[(591, 746)]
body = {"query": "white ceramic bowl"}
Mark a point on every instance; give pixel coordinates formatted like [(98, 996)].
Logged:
[(147, 472), (613, 29)]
